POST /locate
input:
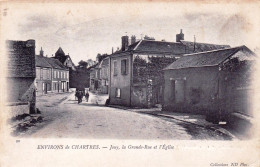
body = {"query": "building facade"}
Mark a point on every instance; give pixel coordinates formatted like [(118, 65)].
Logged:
[(136, 78), (104, 75), (94, 80), (64, 59), (210, 82), (51, 75), (43, 74), (21, 73), (60, 76)]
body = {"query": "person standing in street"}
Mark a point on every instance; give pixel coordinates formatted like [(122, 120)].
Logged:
[(76, 95), (87, 96), (79, 97)]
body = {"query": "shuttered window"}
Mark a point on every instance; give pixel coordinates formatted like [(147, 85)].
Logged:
[(115, 67), (124, 66)]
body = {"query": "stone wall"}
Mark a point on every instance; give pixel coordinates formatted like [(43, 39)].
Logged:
[(21, 73), (200, 88)]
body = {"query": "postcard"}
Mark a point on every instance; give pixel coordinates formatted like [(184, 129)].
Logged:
[(117, 83)]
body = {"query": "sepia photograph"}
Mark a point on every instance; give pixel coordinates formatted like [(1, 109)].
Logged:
[(130, 71)]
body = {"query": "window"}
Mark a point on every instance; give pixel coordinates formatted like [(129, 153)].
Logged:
[(38, 73), (124, 67), (54, 72), (118, 92), (115, 67), (49, 73), (41, 74), (58, 74)]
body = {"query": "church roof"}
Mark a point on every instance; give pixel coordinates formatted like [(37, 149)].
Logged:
[(60, 51)]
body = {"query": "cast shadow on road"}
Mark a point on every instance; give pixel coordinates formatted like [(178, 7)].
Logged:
[(85, 104), (91, 104)]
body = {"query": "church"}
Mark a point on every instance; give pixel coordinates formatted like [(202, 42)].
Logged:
[(64, 59)]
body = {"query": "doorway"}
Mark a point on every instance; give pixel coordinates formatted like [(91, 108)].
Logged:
[(178, 86)]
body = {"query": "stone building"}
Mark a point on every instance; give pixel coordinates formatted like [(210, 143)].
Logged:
[(51, 75), (213, 82), (135, 71), (43, 74), (94, 77), (21, 73), (100, 75), (60, 76), (64, 59), (105, 75)]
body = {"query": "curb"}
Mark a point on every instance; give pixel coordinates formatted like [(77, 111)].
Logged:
[(220, 130)]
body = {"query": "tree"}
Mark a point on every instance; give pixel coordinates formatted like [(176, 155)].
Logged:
[(83, 64), (90, 62), (100, 57)]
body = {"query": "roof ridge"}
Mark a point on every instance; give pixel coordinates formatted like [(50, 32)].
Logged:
[(161, 41), (138, 44), (204, 43), (216, 50)]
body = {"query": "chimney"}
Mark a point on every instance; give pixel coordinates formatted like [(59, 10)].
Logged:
[(133, 39), (112, 50), (124, 43), (41, 52), (179, 36)]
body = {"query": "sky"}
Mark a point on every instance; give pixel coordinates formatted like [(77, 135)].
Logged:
[(83, 30)]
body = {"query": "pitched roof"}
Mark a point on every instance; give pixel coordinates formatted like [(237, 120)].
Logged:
[(60, 51), (177, 48), (56, 63), (157, 46), (208, 58), (61, 59), (40, 61), (201, 47)]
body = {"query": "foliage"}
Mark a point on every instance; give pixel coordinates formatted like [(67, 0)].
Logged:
[(100, 57), (150, 67), (82, 64)]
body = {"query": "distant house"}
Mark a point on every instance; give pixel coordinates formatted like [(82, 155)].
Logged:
[(136, 79), (51, 75), (210, 82), (104, 75), (64, 59), (67, 62), (60, 76), (99, 76), (94, 77), (43, 74), (21, 72)]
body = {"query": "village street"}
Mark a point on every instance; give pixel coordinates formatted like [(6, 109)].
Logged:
[(65, 118)]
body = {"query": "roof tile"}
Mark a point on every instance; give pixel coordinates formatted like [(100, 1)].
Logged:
[(208, 58)]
